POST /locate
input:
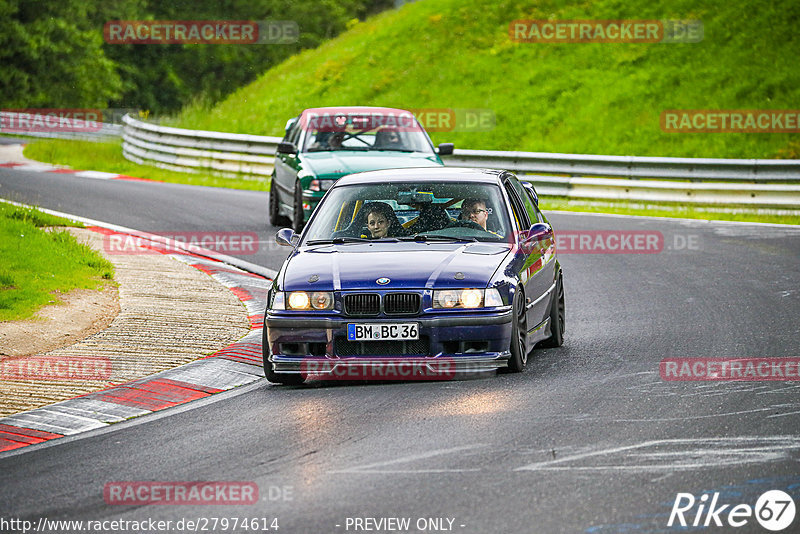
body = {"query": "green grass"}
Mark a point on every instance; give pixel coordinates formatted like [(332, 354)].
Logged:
[(711, 213), (35, 217), (571, 97), (35, 263), (107, 157)]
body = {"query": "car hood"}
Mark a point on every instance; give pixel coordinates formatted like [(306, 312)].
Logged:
[(340, 163), (406, 265)]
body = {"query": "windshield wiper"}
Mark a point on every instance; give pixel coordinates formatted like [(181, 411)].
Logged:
[(394, 149), (424, 237), (338, 241)]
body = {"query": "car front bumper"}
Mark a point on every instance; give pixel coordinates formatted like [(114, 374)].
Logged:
[(452, 344)]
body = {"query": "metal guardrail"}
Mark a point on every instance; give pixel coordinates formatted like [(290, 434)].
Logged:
[(634, 167), (28, 128), (177, 149), (703, 180)]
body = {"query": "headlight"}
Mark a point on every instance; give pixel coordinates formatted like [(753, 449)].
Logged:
[(301, 300), (471, 298), (320, 185), (298, 300), (448, 298), (322, 300), (467, 298)]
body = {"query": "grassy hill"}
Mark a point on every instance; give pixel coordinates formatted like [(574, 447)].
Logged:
[(590, 98)]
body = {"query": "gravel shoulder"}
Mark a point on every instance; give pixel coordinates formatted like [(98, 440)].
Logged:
[(164, 313)]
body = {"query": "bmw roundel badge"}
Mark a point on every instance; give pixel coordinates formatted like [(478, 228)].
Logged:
[(383, 281)]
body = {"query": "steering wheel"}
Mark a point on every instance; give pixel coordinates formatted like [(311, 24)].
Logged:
[(467, 224)]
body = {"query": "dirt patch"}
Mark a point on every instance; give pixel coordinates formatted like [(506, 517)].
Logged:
[(80, 313)]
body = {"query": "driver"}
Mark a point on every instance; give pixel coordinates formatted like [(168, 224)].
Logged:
[(335, 141), (474, 209)]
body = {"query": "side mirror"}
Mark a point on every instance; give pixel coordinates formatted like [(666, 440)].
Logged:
[(287, 148), (445, 149), (532, 191), (536, 234), (286, 237)]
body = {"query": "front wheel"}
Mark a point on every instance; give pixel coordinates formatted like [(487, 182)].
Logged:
[(297, 213), (519, 334), (277, 378), (274, 206), (557, 308)]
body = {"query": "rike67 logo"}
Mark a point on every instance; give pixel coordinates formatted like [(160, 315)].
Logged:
[(774, 510)]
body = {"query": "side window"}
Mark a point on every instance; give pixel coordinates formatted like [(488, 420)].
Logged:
[(539, 216), (520, 215), (530, 207), (294, 133)]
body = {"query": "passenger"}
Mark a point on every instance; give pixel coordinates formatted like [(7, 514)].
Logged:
[(388, 139), (382, 221), (335, 141)]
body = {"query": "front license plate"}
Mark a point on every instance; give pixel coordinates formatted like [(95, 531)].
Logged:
[(374, 331)]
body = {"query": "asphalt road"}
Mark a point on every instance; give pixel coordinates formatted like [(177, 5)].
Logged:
[(588, 439)]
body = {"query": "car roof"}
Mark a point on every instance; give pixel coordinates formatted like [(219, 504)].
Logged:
[(354, 109), (422, 174)]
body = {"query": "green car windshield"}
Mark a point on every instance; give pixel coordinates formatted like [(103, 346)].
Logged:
[(369, 137), (411, 211)]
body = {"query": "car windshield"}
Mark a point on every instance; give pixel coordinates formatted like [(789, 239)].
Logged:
[(394, 133), (410, 211)]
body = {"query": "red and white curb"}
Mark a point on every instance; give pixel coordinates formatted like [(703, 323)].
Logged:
[(236, 365), (95, 175)]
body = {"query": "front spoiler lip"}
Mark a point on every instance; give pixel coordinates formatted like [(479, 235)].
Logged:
[(275, 321), (490, 361)]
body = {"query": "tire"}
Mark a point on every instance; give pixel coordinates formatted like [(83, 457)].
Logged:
[(274, 207), (297, 213), (557, 316), (519, 334), (277, 378)]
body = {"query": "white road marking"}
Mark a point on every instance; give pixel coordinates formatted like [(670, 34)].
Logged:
[(782, 414), (34, 168), (97, 175), (696, 453), (371, 468)]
